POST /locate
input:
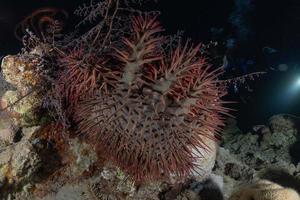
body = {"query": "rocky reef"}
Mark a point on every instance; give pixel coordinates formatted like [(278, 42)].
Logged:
[(21, 101), (133, 115), (265, 152), (34, 167), (263, 190)]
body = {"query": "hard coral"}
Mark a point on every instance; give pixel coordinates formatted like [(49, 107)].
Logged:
[(156, 120), (20, 71), (265, 190)]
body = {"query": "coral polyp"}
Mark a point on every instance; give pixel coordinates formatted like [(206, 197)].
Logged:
[(156, 120)]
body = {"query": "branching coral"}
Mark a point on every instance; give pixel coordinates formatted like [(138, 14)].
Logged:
[(160, 111)]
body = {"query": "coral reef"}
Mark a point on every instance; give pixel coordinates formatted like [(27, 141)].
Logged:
[(21, 72), (8, 129), (126, 114), (19, 165), (261, 150), (282, 123), (81, 175), (245, 158)]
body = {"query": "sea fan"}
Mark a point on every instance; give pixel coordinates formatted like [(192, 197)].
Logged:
[(161, 111)]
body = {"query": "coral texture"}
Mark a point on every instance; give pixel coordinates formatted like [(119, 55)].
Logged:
[(161, 110), (265, 190), (22, 102), (246, 158), (19, 164)]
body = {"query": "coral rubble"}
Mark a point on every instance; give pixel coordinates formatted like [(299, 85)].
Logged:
[(245, 158)]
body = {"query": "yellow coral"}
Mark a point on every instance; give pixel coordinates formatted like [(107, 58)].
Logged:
[(265, 190)]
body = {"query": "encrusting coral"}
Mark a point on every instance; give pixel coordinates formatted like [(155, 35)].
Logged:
[(21, 72)]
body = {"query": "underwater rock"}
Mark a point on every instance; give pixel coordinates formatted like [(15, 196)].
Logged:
[(18, 165), (244, 146), (282, 178), (208, 189), (233, 171), (258, 151), (110, 184), (275, 146), (244, 158), (29, 133), (188, 194), (4, 85), (84, 155), (206, 160), (24, 161), (77, 177), (83, 177), (20, 71), (282, 123), (8, 129), (22, 109), (230, 130), (261, 129), (113, 182), (265, 190), (151, 191), (72, 191), (232, 167)]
